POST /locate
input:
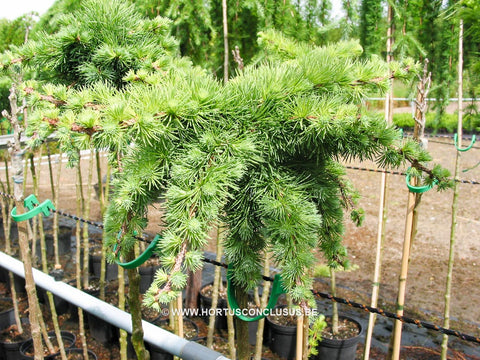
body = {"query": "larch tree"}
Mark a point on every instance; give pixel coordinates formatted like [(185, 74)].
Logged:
[(261, 153)]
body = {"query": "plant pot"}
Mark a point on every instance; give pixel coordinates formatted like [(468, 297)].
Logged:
[(282, 338), (73, 309), (68, 338), (339, 349), (78, 354), (3, 275), (101, 330), (156, 353), (10, 350), (95, 263), (206, 305), (147, 273), (64, 242), (7, 316)]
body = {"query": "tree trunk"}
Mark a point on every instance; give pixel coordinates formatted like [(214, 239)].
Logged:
[(17, 169), (241, 327), (121, 306), (78, 257), (135, 310)]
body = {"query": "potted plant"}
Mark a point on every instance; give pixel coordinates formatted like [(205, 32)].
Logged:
[(68, 338), (340, 337)]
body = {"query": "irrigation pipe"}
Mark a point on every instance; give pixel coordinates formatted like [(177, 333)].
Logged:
[(154, 335)]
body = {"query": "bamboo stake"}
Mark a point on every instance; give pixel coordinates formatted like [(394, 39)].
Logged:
[(306, 326), (299, 346), (86, 215), (333, 289), (103, 205), (55, 195), (412, 215), (216, 284), (231, 334), (382, 210), (456, 191), (225, 41)]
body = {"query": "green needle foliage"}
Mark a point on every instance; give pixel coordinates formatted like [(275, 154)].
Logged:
[(101, 41), (261, 154)]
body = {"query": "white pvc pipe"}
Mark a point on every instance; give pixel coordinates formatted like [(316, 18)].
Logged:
[(154, 335)]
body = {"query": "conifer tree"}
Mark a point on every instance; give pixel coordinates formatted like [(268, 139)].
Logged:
[(260, 153), (371, 30)]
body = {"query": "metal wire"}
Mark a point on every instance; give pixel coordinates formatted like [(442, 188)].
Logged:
[(462, 181)]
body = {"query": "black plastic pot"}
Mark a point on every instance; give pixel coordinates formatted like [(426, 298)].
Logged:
[(101, 330), (157, 354), (64, 242), (339, 349), (73, 309), (282, 339), (7, 317), (68, 339), (10, 350), (91, 354), (95, 263), (206, 305), (3, 275), (147, 274)]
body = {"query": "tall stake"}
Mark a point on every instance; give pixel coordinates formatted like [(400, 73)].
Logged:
[(453, 227), (86, 215), (215, 286), (225, 41), (382, 210), (263, 305), (412, 204), (17, 169)]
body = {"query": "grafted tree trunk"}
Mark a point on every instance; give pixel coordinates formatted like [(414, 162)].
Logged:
[(17, 169)]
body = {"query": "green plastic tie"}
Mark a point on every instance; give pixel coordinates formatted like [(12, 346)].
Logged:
[(142, 258), (277, 290), (455, 140), (34, 208), (418, 189)]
